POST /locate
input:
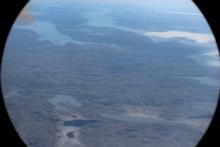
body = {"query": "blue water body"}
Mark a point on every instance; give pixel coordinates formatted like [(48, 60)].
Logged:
[(48, 31), (79, 122), (70, 134), (104, 19)]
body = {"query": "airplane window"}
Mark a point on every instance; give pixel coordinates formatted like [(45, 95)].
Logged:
[(111, 73)]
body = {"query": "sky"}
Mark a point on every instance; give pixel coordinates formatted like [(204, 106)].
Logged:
[(160, 4)]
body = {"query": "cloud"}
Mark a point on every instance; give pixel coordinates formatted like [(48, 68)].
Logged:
[(184, 13), (197, 37), (25, 17), (214, 53), (214, 59), (207, 81)]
